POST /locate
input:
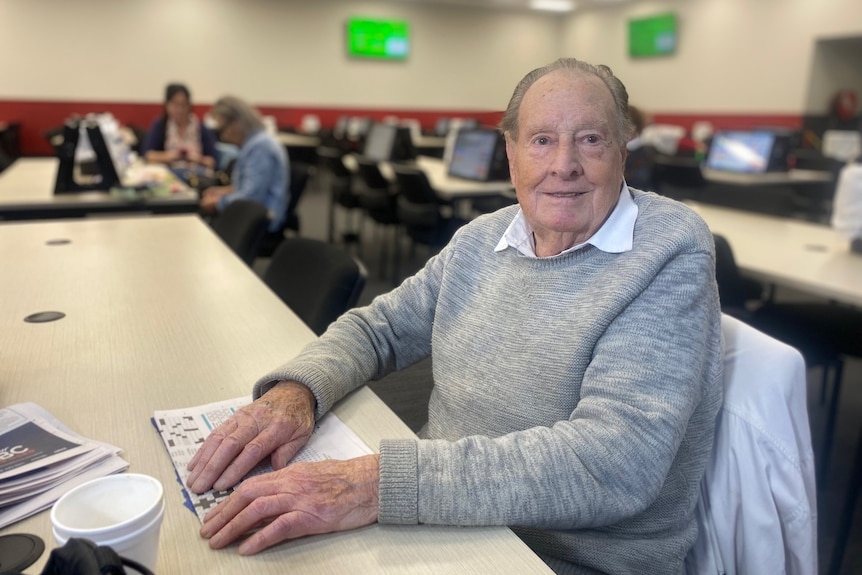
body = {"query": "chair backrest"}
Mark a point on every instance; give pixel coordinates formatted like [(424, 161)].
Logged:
[(413, 184), (418, 204), (317, 280), (241, 226), (757, 512), (731, 290), (369, 172), (331, 160), (300, 173)]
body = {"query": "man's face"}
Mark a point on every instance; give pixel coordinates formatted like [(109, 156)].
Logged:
[(566, 163)]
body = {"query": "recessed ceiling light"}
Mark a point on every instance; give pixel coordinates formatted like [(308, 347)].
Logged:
[(553, 5)]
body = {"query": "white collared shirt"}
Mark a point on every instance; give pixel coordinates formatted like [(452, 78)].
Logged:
[(615, 236)]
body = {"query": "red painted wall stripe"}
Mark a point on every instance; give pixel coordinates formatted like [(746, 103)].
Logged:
[(36, 117)]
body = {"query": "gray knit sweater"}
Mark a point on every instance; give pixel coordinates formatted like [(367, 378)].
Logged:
[(574, 397)]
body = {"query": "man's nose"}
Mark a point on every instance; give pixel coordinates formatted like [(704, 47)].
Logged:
[(567, 160)]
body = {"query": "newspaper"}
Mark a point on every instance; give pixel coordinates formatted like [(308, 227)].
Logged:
[(184, 430), (41, 459)]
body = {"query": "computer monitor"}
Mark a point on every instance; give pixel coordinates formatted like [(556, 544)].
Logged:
[(479, 154), (388, 142), (96, 146), (441, 127), (748, 151)]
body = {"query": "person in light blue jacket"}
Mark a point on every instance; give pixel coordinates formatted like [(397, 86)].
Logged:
[(261, 170)]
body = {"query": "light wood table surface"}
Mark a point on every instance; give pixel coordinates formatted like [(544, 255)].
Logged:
[(27, 192), (805, 256), (161, 315), (789, 177)]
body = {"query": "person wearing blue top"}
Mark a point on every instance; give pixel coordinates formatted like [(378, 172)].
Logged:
[(178, 135), (261, 170)]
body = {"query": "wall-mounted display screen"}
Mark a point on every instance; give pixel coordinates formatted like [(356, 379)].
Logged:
[(379, 39), (653, 36)]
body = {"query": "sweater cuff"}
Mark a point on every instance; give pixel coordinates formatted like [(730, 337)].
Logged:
[(314, 380), (399, 482)]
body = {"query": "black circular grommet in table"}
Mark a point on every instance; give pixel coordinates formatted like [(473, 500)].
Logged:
[(43, 316), (18, 551)]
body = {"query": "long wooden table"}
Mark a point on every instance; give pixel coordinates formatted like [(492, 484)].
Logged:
[(27, 192), (805, 256), (160, 315)]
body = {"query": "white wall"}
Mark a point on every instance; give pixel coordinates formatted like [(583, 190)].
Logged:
[(280, 52), (733, 56)]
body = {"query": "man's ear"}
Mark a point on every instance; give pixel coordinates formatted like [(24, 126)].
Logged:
[(510, 152)]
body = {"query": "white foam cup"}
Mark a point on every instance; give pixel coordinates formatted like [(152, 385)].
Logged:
[(123, 512)]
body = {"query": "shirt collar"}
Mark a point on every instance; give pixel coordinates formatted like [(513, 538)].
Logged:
[(615, 236)]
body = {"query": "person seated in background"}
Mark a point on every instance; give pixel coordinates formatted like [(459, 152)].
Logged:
[(260, 173), (575, 340), (178, 135), (640, 163)]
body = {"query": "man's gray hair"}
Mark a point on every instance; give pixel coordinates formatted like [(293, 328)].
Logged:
[(625, 129), (231, 108)]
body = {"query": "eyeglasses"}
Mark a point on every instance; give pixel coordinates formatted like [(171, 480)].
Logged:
[(221, 129)]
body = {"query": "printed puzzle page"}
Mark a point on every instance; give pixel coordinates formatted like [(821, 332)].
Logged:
[(184, 430)]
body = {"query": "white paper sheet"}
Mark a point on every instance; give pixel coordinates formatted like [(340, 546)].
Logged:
[(184, 430)]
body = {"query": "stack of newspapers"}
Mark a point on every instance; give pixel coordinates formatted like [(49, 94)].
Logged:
[(41, 459)]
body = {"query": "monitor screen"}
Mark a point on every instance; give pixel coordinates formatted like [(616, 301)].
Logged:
[(379, 142), (653, 36), (741, 151), (378, 39), (475, 154), (388, 142)]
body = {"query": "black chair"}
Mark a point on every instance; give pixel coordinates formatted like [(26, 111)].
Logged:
[(813, 342), (640, 168), (379, 201), (425, 217), (678, 177), (317, 280), (241, 226), (300, 173), (736, 292), (845, 522), (339, 179), (838, 326), (5, 160)]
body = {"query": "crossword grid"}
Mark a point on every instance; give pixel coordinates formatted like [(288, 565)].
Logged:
[(184, 430)]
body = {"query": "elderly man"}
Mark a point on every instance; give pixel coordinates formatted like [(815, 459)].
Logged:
[(577, 366), (260, 173)]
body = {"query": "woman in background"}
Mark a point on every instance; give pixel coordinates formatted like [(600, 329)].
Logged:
[(178, 135)]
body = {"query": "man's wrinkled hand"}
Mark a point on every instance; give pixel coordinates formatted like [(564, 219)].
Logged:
[(277, 424), (301, 499)]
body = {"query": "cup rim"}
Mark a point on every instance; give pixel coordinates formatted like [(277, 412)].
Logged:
[(112, 542), (83, 532)]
